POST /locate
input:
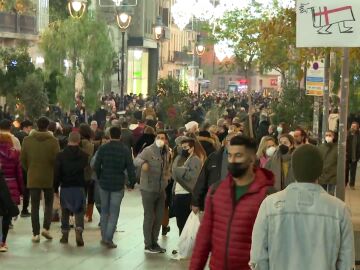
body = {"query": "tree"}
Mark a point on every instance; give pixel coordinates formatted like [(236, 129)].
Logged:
[(86, 45), (33, 98), (58, 10), (18, 65), (172, 93), (294, 108)]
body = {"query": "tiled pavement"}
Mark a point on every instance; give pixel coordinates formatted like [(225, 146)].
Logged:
[(51, 255)]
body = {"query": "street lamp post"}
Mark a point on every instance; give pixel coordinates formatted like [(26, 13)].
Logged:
[(200, 50), (123, 20), (158, 30), (77, 8)]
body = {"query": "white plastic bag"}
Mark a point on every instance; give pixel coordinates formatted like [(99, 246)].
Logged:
[(188, 236)]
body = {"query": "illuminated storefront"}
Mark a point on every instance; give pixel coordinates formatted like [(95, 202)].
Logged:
[(138, 62)]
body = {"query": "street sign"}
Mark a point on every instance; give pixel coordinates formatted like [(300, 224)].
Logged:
[(327, 23), (315, 78)]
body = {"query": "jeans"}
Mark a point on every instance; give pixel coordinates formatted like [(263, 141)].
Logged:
[(110, 210), (182, 209), (35, 194), (79, 220), (154, 205)]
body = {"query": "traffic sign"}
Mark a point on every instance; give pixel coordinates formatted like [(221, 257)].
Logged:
[(315, 78)]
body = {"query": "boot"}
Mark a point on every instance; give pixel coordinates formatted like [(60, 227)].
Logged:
[(79, 238), (89, 212), (65, 238)]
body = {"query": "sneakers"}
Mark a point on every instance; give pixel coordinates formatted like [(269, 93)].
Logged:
[(36, 239), (165, 230), (111, 245), (155, 249), (107, 244), (25, 213), (3, 247), (46, 234), (160, 249)]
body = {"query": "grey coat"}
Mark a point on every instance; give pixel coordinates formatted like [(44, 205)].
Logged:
[(154, 180), (275, 165), (187, 174)]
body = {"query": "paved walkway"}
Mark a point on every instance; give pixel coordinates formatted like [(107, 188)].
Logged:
[(24, 255)]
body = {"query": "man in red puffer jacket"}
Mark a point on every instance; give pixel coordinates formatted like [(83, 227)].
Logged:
[(231, 209)]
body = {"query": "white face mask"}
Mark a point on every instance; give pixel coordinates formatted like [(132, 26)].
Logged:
[(329, 139), (279, 129), (270, 151), (159, 143)]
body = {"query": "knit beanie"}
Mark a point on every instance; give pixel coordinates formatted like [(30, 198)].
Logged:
[(307, 163)]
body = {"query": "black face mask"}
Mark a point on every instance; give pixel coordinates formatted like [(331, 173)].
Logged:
[(185, 153), (237, 170), (284, 149)]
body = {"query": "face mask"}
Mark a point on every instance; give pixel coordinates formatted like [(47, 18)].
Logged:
[(284, 149), (270, 151), (185, 153), (159, 143), (329, 139), (279, 129), (237, 170)]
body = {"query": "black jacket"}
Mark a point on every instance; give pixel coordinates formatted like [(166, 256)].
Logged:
[(349, 143), (7, 206), (69, 168), (21, 135), (144, 141), (209, 175)]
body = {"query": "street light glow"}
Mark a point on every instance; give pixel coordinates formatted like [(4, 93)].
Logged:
[(123, 20), (76, 5), (77, 8)]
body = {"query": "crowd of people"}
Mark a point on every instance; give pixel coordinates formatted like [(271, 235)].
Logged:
[(267, 202)]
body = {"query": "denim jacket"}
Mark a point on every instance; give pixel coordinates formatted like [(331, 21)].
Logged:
[(302, 228)]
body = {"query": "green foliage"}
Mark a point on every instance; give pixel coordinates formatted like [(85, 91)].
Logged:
[(58, 10), (32, 95), (293, 107), (65, 92), (241, 28), (18, 66), (172, 93), (87, 45), (51, 84)]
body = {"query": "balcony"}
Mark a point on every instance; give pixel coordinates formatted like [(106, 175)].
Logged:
[(17, 24), (183, 58)]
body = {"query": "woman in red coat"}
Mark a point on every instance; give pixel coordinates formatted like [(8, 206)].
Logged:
[(12, 172), (11, 167)]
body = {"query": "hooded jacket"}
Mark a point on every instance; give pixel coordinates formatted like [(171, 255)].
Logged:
[(11, 167), (69, 168), (38, 156), (226, 228)]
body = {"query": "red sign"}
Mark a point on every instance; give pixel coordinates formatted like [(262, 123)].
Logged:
[(243, 82), (273, 82)]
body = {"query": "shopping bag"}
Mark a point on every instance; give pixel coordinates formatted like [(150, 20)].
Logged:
[(188, 236)]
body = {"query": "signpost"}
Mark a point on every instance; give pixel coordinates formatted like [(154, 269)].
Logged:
[(315, 78), (331, 23)]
